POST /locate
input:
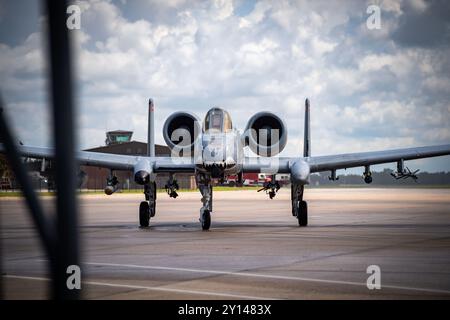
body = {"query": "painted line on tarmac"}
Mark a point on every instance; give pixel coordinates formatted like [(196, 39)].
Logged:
[(129, 286), (266, 276)]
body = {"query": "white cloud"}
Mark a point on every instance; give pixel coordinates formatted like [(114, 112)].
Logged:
[(392, 6), (256, 56), (256, 16), (320, 46), (401, 64), (418, 5), (437, 84), (30, 54), (222, 9), (367, 93)]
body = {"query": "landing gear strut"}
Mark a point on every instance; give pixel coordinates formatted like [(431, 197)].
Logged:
[(147, 209), (299, 206), (205, 187)]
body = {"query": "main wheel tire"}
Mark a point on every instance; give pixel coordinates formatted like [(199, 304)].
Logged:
[(206, 220), (144, 214), (368, 179), (302, 214)]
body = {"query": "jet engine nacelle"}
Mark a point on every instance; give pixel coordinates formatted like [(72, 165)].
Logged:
[(265, 134), (180, 131)]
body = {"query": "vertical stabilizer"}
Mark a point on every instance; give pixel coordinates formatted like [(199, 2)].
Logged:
[(307, 133), (151, 129)]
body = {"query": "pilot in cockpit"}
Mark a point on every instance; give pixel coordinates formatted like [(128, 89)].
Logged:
[(217, 120)]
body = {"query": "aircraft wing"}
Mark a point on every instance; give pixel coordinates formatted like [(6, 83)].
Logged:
[(268, 165), (350, 160), (343, 161), (265, 165), (113, 161)]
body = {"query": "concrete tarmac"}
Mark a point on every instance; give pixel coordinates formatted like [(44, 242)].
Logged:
[(254, 250)]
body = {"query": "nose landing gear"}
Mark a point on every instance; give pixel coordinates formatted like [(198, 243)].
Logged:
[(205, 187), (206, 220), (147, 209), (299, 206)]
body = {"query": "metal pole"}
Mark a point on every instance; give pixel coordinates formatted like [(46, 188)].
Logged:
[(1, 260), (67, 251), (307, 133), (151, 129)]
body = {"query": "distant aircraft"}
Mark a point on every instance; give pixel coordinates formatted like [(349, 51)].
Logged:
[(215, 150)]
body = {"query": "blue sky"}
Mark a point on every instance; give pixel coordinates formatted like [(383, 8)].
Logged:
[(369, 89)]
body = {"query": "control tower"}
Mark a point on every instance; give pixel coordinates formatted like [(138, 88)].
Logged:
[(118, 136)]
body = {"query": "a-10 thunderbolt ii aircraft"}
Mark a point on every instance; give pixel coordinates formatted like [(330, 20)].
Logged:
[(215, 150)]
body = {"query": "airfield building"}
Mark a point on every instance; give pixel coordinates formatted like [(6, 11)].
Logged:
[(119, 142)]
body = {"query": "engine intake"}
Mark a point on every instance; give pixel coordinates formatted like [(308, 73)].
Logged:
[(266, 134), (180, 131)]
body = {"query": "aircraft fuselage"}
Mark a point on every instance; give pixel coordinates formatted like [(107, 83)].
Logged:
[(221, 153)]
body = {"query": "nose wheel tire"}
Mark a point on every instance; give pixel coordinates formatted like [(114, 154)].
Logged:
[(302, 214), (144, 214), (206, 220)]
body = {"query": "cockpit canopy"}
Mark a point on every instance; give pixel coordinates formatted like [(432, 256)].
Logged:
[(217, 120)]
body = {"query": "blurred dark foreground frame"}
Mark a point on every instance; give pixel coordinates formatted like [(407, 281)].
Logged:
[(60, 237)]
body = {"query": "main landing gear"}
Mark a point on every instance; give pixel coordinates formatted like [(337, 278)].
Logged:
[(205, 187), (147, 209), (299, 206)]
